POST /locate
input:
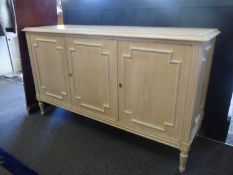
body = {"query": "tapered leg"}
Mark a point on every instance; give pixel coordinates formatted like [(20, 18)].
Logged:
[(183, 161), (41, 105)]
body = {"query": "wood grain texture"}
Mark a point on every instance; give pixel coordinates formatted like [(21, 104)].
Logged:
[(183, 34), (50, 52), (154, 77), (150, 87), (92, 63)]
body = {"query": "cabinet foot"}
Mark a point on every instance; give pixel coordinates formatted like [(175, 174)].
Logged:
[(183, 161), (41, 105)]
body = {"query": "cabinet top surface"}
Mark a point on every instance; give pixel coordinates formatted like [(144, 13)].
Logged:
[(171, 33)]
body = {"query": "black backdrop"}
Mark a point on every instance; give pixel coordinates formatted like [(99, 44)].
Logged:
[(174, 13)]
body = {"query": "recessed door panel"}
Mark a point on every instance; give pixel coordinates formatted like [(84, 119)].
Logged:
[(51, 67), (93, 65), (153, 81)]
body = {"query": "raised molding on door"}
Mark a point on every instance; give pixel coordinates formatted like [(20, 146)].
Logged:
[(59, 50), (171, 60), (93, 81), (148, 81), (103, 53)]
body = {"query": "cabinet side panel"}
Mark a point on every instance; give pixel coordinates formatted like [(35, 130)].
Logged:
[(32, 60), (205, 67), (191, 95)]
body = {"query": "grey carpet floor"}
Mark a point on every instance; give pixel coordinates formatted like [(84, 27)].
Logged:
[(18, 78), (64, 143)]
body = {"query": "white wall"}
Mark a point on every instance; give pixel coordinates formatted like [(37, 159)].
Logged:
[(4, 13), (5, 66)]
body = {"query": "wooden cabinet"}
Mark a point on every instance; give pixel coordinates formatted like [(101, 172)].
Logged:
[(148, 81)]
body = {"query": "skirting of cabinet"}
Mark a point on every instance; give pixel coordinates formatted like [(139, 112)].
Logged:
[(108, 121)]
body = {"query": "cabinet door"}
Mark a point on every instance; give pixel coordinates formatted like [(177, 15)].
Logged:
[(153, 80), (93, 64), (49, 58)]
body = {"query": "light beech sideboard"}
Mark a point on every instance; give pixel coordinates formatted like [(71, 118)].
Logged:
[(145, 80)]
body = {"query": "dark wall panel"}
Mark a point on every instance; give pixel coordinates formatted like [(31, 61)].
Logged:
[(221, 80), (28, 14), (136, 17), (83, 16), (174, 13), (130, 4)]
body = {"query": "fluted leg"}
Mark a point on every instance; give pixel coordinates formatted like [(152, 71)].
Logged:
[(183, 161), (41, 105)]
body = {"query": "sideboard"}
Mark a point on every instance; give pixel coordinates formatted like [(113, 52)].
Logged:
[(145, 80)]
